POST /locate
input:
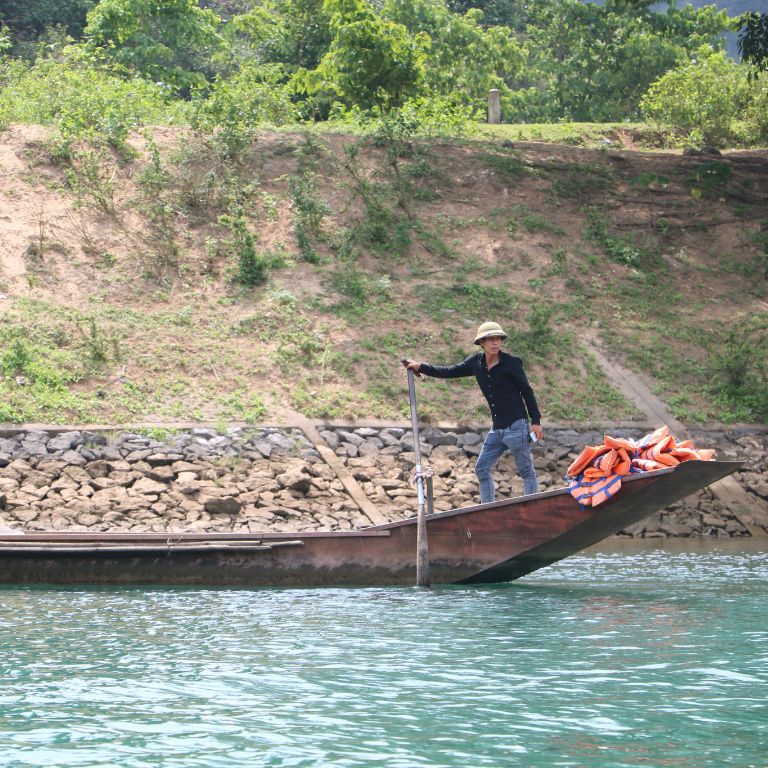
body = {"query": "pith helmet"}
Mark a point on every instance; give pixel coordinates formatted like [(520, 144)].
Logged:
[(489, 329)]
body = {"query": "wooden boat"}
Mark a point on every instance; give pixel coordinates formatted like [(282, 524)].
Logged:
[(495, 542)]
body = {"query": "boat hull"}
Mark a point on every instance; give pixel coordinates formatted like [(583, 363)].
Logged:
[(495, 542)]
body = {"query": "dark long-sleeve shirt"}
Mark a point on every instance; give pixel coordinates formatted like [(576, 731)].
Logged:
[(505, 386)]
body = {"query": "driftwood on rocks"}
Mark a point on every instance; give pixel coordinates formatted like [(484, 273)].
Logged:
[(261, 479)]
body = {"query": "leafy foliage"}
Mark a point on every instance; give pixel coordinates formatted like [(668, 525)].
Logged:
[(753, 40), (708, 97), (161, 40), (28, 21), (591, 62), (77, 92), (294, 33), (465, 58), (251, 269), (741, 368), (278, 61), (372, 62), (237, 105)]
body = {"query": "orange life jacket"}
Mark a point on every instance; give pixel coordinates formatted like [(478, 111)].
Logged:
[(595, 475)]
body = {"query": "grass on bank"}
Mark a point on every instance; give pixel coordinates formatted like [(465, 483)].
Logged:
[(264, 345)]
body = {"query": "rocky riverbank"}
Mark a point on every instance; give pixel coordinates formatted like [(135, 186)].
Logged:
[(276, 479)]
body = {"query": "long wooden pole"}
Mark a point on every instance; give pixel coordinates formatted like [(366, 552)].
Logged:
[(422, 550)]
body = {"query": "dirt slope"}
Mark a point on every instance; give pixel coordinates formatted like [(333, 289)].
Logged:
[(118, 302)]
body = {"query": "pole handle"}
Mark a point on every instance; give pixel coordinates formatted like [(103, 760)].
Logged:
[(404, 361)]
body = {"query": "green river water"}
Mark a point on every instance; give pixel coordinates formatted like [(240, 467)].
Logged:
[(617, 657)]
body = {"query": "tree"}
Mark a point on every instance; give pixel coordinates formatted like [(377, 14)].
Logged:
[(294, 33), (753, 40), (371, 62), (29, 20), (170, 41), (593, 62), (465, 59)]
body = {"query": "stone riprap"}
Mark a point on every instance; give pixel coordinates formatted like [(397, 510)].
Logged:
[(274, 479)]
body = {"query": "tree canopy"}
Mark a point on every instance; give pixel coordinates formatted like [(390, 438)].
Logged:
[(753, 40), (278, 60)]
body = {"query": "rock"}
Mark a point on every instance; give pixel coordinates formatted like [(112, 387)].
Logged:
[(331, 439), (73, 458), (294, 479), (162, 459), (188, 472), (280, 443), (368, 449), (64, 441), (100, 483), (88, 519), (99, 468), (203, 432), (110, 453), (138, 455), (145, 485), (222, 505), (388, 439), (437, 437), (93, 438), (759, 486), (675, 529), (8, 446), (635, 530), (108, 496), (350, 437), (161, 474), (123, 478), (468, 439), (264, 448), (34, 447)]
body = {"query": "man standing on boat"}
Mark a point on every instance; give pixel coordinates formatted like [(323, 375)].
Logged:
[(505, 386)]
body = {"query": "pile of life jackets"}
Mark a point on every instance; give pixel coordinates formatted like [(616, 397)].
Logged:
[(596, 474)]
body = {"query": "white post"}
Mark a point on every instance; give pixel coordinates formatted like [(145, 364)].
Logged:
[(494, 106)]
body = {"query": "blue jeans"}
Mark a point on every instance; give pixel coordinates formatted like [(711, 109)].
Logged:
[(514, 438)]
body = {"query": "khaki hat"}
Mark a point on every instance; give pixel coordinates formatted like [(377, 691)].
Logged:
[(489, 329)]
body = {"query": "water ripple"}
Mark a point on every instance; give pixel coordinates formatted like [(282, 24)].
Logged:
[(637, 658)]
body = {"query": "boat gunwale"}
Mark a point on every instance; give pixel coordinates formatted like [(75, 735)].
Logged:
[(177, 537)]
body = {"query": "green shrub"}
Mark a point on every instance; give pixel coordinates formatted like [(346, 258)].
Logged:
[(350, 281), (540, 334), (597, 230), (309, 212), (428, 115), (239, 105), (740, 369), (77, 93), (710, 179), (251, 268), (708, 97), (468, 298)]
